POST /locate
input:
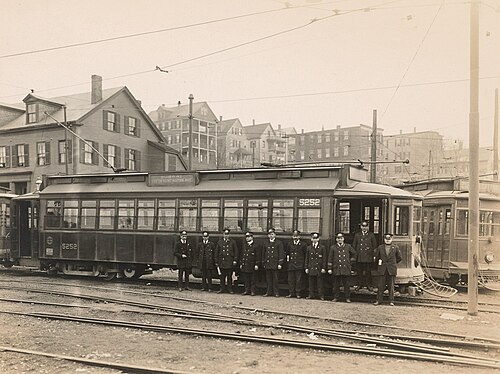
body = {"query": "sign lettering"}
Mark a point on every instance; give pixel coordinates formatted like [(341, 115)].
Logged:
[(309, 202)]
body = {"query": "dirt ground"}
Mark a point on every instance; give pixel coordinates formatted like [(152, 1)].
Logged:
[(195, 354)]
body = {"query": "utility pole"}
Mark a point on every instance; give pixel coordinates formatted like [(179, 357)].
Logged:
[(495, 139), (373, 166), (66, 142), (190, 140), (473, 250), (429, 174)]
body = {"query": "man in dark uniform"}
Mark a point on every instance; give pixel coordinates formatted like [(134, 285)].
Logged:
[(184, 255), (249, 263), (295, 257), (205, 260), (387, 256), (340, 257), (273, 257), (364, 244), (315, 266), (226, 257)]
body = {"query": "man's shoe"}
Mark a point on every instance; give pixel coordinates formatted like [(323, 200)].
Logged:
[(335, 300), (299, 297), (266, 295), (252, 294), (288, 296), (348, 300), (209, 290), (220, 291), (376, 303), (180, 289), (322, 298), (276, 295), (309, 297), (187, 289), (391, 304), (231, 291), (245, 293)]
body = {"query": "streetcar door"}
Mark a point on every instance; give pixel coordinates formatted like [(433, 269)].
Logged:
[(436, 238), (25, 231)]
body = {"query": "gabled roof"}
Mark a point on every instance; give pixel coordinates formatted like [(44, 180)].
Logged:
[(227, 124), (31, 97), (21, 108), (183, 111), (256, 131)]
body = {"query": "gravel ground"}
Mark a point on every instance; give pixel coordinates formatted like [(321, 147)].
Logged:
[(188, 353)]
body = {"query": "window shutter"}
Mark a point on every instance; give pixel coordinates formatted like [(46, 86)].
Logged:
[(126, 129), (27, 154), (69, 151), (82, 152), (117, 118), (138, 160), (7, 157), (138, 128), (95, 156), (105, 119), (118, 157), (14, 156), (47, 153), (105, 151), (126, 150)]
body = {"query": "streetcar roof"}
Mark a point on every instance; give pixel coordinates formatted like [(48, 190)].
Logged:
[(372, 189)]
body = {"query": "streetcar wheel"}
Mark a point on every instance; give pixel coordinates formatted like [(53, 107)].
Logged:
[(110, 276), (8, 264), (129, 272)]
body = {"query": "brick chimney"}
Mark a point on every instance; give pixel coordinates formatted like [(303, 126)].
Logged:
[(96, 94)]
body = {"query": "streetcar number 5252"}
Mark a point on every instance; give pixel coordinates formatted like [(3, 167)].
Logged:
[(309, 202)]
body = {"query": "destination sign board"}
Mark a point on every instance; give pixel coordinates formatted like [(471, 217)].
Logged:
[(172, 179)]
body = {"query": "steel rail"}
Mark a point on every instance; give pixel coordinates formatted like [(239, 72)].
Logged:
[(98, 363), (477, 362)]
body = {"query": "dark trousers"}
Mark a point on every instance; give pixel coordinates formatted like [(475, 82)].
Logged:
[(345, 280), (364, 274), (183, 278), (249, 281), (384, 280), (316, 282), (206, 277), (295, 281), (226, 277), (272, 282)]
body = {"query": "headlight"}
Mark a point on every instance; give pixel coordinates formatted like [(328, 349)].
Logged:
[(489, 258)]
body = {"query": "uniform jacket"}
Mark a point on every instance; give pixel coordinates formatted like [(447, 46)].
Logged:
[(205, 252), (365, 246), (316, 259), (226, 253), (183, 249), (250, 256), (340, 258), (387, 262), (296, 255), (273, 254)]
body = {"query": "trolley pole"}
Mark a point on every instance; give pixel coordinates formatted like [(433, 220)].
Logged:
[(473, 250), (66, 143), (190, 140), (495, 139), (373, 166)]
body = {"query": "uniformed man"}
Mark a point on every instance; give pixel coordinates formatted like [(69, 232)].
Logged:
[(315, 266), (205, 260), (184, 255), (340, 257), (295, 257), (386, 257), (226, 257), (364, 244), (273, 257), (249, 263)]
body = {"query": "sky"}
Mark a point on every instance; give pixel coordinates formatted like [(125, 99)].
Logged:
[(308, 64)]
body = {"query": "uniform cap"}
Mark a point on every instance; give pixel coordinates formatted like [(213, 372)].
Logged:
[(388, 236), (340, 235), (364, 223), (296, 232), (205, 234), (315, 235), (227, 231), (271, 230), (249, 233), (184, 232)]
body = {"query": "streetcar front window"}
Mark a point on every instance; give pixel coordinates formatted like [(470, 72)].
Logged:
[(309, 220), (401, 220), (283, 215), (233, 214), (53, 214)]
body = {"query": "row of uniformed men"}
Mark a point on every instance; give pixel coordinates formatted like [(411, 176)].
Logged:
[(314, 260)]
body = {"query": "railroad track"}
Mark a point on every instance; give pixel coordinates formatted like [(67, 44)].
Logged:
[(416, 348)]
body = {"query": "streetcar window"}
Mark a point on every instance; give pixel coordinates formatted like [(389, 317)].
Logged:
[(166, 215), (145, 214), (257, 215), (70, 214), (401, 220), (462, 222), (309, 220), (447, 227), (88, 215), (345, 218), (126, 214), (188, 211), (283, 215), (53, 216), (107, 214), (210, 212), (495, 226), (233, 214), (376, 219), (488, 221), (417, 217)]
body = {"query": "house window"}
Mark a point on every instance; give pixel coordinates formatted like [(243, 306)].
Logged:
[(327, 153), (111, 121), (32, 113), (43, 153), (88, 155), (21, 155), (88, 152), (132, 159), (346, 135), (327, 138), (4, 157), (346, 150), (132, 126), (336, 152), (112, 154), (61, 151), (335, 136)]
